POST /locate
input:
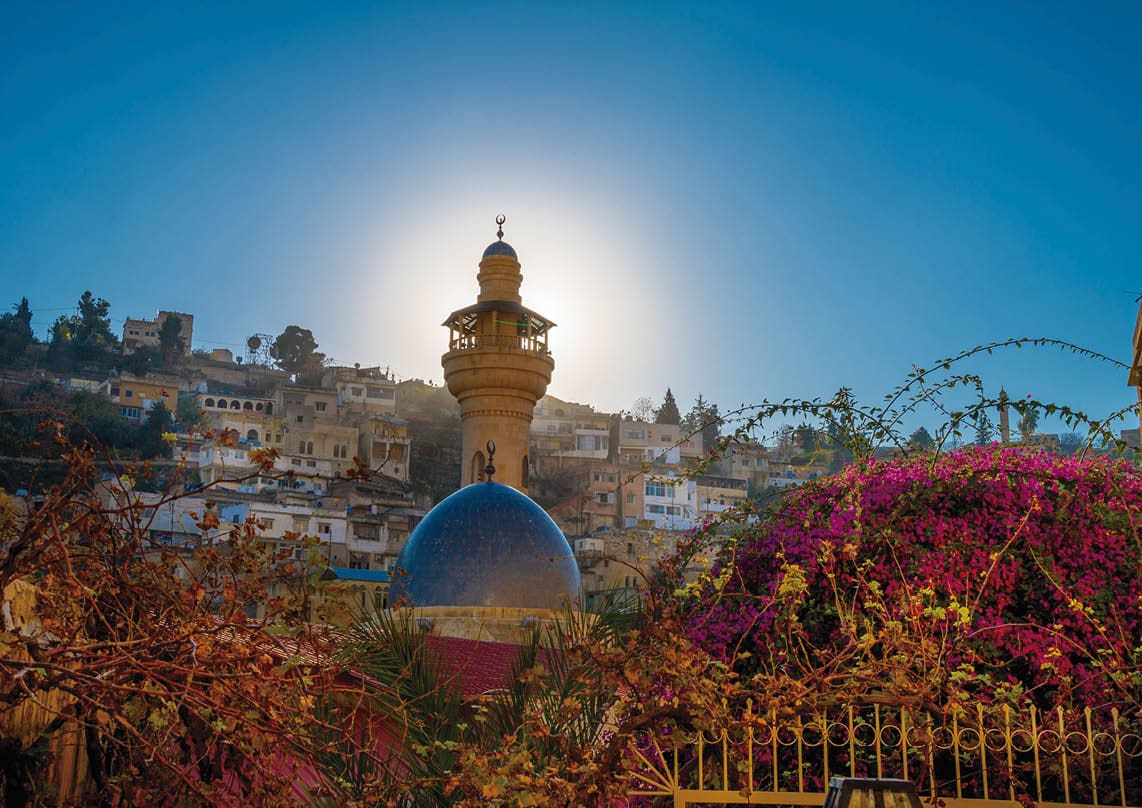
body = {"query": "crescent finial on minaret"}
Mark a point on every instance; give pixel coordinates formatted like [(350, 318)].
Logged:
[(490, 469)]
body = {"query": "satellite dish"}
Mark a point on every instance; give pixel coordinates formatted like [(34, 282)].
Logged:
[(254, 343)]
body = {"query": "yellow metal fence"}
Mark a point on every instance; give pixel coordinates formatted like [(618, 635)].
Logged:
[(979, 758)]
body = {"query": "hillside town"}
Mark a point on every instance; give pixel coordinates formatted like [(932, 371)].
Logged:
[(359, 457)]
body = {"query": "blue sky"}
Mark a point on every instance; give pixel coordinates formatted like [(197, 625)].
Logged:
[(747, 201)]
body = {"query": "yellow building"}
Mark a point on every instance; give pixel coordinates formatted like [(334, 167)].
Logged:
[(716, 494), (497, 366), (135, 395)]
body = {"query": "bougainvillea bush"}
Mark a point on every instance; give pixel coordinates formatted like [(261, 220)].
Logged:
[(987, 574)]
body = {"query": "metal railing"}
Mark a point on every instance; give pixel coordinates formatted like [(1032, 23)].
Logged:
[(523, 342), (971, 760)]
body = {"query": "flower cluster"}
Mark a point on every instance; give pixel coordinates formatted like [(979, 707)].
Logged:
[(988, 573)]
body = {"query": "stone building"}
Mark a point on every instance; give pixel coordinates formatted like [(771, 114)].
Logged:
[(145, 333)]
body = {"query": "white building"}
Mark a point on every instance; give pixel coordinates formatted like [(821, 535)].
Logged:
[(669, 502)]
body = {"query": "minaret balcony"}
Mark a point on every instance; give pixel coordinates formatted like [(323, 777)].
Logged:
[(529, 344)]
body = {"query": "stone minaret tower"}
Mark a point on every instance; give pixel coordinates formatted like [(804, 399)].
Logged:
[(1004, 423), (497, 366)]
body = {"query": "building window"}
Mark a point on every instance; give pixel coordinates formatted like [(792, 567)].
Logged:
[(235, 405), (301, 447), (309, 448), (311, 464), (324, 528), (320, 405), (248, 406), (657, 490), (128, 394), (665, 438), (131, 412), (356, 392), (221, 403), (630, 548), (633, 434), (252, 434), (300, 419), (209, 402), (605, 498)]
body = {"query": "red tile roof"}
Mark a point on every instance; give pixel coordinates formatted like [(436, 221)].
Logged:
[(479, 666)]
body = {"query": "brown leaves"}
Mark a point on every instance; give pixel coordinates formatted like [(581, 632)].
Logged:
[(151, 649)]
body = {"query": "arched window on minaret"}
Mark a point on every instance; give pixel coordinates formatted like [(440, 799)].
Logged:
[(523, 474), (478, 463)]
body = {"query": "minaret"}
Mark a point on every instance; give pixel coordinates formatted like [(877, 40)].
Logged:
[(497, 366), (1004, 423)]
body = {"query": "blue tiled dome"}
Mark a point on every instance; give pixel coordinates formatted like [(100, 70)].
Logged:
[(486, 545), (500, 248)]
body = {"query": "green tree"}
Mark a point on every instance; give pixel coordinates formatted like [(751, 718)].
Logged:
[(922, 438), (141, 360), (983, 430), (704, 419), (61, 347), (91, 328), (1070, 442), (806, 438), (99, 422), (1028, 423), (668, 413), (84, 336), (294, 349), (188, 416), (172, 344), (150, 437), (16, 331)]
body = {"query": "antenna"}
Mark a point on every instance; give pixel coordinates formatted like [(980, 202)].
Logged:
[(258, 349)]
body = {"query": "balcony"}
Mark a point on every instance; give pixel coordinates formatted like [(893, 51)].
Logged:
[(530, 343), (589, 552)]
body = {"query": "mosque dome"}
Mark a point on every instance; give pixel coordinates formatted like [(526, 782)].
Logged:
[(487, 545), (500, 248)]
